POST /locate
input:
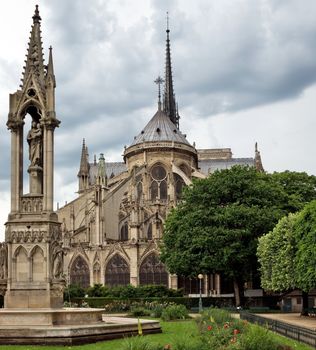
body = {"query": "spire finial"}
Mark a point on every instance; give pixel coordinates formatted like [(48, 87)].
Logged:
[(167, 22), (159, 81), (36, 17)]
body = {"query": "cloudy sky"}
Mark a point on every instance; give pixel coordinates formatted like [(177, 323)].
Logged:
[(244, 71)]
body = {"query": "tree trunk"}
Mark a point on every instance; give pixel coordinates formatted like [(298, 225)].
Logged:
[(304, 311), (236, 292)]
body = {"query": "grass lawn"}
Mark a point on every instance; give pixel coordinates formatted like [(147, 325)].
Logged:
[(171, 331)]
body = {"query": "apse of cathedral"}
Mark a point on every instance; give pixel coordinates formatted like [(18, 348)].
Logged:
[(111, 231)]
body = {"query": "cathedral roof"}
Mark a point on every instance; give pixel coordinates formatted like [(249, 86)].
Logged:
[(111, 169), (208, 166), (160, 128)]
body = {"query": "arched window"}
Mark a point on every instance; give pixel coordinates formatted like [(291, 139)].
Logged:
[(152, 271), (124, 232), (38, 267), (178, 185), (22, 265), (117, 272), (150, 231), (158, 186), (80, 273)]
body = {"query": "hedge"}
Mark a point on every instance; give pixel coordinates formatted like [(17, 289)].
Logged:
[(100, 302)]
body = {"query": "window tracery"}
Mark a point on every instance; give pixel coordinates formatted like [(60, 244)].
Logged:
[(80, 273), (158, 186), (153, 271), (117, 272)]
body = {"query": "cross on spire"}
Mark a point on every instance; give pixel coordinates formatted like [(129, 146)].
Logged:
[(159, 81)]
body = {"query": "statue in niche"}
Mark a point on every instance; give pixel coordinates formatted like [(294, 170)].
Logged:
[(34, 139), (58, 261), (3, 261)]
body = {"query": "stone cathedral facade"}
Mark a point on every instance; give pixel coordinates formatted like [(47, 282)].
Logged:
[(112, 230)]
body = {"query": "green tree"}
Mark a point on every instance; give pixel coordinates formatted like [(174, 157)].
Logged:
[(299, 187), (305, 257), (287, 255), (217, 225), (276, 253)]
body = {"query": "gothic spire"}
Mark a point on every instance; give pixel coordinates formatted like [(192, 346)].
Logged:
[(84, 162), (169, 103), (50, 67), (34, 58)]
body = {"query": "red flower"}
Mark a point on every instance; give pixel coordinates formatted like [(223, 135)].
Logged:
[(236, 331), (209, 328), (226, 325)]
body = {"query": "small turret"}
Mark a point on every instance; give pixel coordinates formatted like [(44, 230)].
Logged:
[(258, 162), (84, 169), (101, 178)]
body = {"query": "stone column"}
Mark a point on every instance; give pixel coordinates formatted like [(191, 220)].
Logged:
[(50, 168), (217, 284), (134, 266), (14, 171)]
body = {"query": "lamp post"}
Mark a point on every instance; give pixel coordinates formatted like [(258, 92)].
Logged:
[(200, 277)]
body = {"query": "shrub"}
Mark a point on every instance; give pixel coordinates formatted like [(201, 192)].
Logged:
[(139, 311), (73, 291), (218, 330), (174, 312), (98, 290)]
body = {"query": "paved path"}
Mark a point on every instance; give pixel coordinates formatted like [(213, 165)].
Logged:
[(295, 319)]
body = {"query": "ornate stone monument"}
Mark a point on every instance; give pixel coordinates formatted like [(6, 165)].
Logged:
[(32, 257), (33, 233)]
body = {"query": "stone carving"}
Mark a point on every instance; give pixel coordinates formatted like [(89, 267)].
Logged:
[(3, 261), (31, 204), (27, 236), (56, 234), (58, 261), (34, 139)]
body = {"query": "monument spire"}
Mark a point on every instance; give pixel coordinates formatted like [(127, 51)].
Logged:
[(34, 63), (169, 104)]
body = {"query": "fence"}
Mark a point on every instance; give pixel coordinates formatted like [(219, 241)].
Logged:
[(301, 334)]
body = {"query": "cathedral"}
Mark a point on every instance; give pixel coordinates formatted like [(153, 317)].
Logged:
[(111, 232)]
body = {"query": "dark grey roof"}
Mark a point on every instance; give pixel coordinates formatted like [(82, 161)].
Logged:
[(210, 165), (115, 168), (160, 128)]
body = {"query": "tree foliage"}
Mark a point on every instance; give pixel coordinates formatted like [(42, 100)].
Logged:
[(299, 187), (305, 257), (276, 254), (287, 255), (217, 225)]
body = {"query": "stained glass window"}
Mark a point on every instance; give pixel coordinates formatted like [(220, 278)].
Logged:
[(152, 271), (80, 273), (117, 272)]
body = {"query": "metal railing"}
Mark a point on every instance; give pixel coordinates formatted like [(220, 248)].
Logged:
[(300, 334)]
